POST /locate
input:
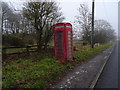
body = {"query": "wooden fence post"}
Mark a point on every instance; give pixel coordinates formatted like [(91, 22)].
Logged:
[(27, 48), (4, 53)]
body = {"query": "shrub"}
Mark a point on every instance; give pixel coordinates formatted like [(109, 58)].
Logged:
[(12, 40)]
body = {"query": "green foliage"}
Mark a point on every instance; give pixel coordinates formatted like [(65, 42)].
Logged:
[(18, 39), (31, 73), (29, 39), (15, 50), (12, 40)]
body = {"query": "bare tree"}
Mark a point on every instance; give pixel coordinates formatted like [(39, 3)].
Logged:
[(0, 25), (103, 32), (6, 11), (10, 19), (42, 15), (83, 21)]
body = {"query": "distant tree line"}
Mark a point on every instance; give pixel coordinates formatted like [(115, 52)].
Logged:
[(103, 31), (32, 25)]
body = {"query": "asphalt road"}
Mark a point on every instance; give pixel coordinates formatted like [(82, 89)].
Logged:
[(109, 76)]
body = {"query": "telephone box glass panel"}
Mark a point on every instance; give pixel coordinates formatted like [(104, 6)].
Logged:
[(69, 45), (59, 44)]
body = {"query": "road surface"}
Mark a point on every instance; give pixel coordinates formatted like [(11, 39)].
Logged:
[(109, 76)]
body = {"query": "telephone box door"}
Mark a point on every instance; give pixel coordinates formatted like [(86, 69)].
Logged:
[(59, 46)]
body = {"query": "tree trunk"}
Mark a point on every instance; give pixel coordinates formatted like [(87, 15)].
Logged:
[(39, 41), (45, 47)]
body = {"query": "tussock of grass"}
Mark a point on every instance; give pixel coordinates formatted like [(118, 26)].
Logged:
[(28, 73)]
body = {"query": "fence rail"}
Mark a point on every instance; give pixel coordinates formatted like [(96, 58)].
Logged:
[(19, 50)]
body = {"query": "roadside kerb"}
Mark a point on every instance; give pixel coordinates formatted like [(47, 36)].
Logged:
[(92, 85)]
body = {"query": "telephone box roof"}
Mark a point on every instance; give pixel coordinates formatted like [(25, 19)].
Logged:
[(63, 23)]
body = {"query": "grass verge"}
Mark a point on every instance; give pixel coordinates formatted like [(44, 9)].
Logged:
[(37, 73)]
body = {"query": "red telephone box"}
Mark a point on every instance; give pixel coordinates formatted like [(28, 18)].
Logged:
[(63, 42)]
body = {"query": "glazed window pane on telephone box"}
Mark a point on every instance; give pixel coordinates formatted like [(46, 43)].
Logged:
[(59, 46), (69, 45)]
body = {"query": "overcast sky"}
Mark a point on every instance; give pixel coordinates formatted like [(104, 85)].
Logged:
[(104, 9)]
